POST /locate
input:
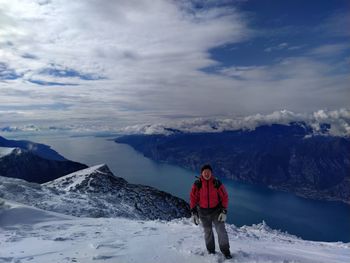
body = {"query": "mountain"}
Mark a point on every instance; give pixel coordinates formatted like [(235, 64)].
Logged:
[(34, 235), (284, 157), (41, 150), (95, 192), (33, 162)]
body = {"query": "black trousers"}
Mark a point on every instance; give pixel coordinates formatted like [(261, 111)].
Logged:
[(209, 217)]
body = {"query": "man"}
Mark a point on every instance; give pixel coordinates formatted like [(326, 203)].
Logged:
[(208, 202)]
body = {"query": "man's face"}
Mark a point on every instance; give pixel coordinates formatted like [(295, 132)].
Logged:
[(206, 174)]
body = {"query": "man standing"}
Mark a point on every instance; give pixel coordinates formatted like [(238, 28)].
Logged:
[(208, 202)]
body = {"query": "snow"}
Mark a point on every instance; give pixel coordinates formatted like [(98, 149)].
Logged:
[(78, 177), (14, 213), (42, 236), (95, 192)]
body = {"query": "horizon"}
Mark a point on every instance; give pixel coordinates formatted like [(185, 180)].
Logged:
[(337, 120)]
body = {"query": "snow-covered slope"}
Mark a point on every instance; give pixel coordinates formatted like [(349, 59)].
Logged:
[(95, 192), (13, 213), (42, 237)]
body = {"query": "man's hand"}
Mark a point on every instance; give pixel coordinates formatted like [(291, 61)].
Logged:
[(194, 216), (222, 216)]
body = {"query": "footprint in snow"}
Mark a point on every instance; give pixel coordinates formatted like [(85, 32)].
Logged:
[(102, 257), (116, 245)]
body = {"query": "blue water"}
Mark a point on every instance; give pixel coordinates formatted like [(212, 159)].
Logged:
[(309, 219)]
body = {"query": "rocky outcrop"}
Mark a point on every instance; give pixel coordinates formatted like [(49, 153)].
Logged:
[(96, 192)]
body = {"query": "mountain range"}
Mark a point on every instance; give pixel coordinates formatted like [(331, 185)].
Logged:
[(91, 215), (285, 157)]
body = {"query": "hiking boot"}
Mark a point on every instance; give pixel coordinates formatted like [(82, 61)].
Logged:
[(211, 252), (228, 256)]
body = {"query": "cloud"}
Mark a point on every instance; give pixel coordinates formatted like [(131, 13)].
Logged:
[(129, 61), (330, 50), (130, 50), (106, 39), (7, 73), (280, 46), (336, 24), (283, 46), (338, 119)]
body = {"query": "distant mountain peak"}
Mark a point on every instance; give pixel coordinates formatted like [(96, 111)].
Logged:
[(95, 178), (42, 150), (33, 162)]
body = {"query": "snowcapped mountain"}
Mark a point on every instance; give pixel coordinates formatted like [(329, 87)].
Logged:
[(29, 234), (33, 162), (95, 192)]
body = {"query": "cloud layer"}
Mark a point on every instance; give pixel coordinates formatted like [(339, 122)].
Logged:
[(129, 61), (338, 119)]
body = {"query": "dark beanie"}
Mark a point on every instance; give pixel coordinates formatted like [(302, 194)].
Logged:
[(206, 166)]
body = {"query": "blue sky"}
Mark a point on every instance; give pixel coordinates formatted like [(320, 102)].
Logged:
[(286, 29), (119, 63)]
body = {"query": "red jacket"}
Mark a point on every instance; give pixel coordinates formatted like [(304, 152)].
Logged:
[(208, 196)]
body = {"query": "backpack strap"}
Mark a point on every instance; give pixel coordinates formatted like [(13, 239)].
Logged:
[(217, 183), (198, 184)]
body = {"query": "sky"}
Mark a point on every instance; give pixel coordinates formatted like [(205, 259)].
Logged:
[(102, 64)]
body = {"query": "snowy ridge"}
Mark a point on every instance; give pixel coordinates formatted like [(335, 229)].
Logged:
[(95, 192), (43, 237), (71, 181), (339, 121)]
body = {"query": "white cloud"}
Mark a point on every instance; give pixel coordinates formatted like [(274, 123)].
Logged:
[(116, 38), (139, 47), (283, 46), (338, 119), (145, 57), (280, 46), (330, 49), (336, 24)]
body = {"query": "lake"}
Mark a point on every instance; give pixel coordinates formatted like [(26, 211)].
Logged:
[(309, 219)]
